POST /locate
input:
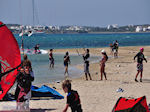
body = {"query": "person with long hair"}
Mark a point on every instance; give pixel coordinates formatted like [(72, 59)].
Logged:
[(102, 64)]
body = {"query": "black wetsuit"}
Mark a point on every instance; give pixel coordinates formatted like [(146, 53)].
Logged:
[(73, 100), (85, 58), (67, 60), (140, 57)]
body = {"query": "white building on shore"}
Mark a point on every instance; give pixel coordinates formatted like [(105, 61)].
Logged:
[(138, 29)]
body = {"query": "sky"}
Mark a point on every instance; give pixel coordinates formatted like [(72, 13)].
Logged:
[(75, 12)]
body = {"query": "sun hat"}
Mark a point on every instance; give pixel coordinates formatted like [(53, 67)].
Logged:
[(103, 51)]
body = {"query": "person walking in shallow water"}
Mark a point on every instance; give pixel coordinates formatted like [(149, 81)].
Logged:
[(51, 58), (102, 64), (66, 62), (140, 57), (86, 56)]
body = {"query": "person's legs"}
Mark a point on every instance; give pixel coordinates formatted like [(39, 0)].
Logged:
[(105, 74), (137, 76), (52, 64), (102, 71), (87, 71), (86, 76), (141, 76), (90, 76), (66, 70)]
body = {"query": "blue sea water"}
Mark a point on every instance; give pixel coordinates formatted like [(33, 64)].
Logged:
[(40, 63), (56, 41)]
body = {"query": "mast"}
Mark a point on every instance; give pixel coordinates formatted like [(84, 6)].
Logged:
[(33, 12), (21, 21)]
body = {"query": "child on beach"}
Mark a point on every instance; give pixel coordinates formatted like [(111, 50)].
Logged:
[(102, 64), (86, 56), (66, 62), (140, 57), (73, 99)]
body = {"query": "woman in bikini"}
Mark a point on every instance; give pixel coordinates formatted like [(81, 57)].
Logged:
[(102, 64)]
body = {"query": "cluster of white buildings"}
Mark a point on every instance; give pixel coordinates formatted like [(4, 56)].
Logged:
[(112, 26), (142, 29), (139, 28)]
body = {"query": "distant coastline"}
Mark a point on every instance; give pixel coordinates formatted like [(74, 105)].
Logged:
[(16, 29)]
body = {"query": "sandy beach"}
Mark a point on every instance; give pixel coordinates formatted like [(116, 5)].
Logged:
[(96, 95)]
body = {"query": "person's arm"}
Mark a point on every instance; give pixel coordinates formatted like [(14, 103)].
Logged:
[(66, 108), (145, 59), (136, 55), (65, 57)]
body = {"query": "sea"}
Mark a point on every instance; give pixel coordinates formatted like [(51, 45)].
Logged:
[(40, 62)]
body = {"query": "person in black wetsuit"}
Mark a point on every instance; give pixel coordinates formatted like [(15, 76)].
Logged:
[(73, 98), (140, 57), (66, 62), (37, 49), (51, 58), (86, 57)]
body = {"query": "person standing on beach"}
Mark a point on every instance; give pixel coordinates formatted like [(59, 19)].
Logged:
[(23, 89), (102, 64), (140, 57), (115, 48), (51, 58), (73, 98), (86, 57), (66, 62)]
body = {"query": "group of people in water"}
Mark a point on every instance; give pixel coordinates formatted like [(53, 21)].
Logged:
[(86, 59)]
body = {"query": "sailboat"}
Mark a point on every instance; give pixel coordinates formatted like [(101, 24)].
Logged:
[(31, 32)]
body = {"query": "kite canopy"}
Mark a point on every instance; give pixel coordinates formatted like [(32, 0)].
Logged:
[(45, 91), (131, 105), (10, 59)]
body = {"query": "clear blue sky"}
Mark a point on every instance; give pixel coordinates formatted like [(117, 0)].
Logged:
[(76, 12)]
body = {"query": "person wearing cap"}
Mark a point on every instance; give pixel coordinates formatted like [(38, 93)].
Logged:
[(140, 57), (102, 64)]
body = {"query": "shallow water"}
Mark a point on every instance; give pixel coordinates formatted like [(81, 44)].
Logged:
[(45, 74)]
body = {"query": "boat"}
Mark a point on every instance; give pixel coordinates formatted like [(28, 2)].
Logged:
[(26, 33)]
